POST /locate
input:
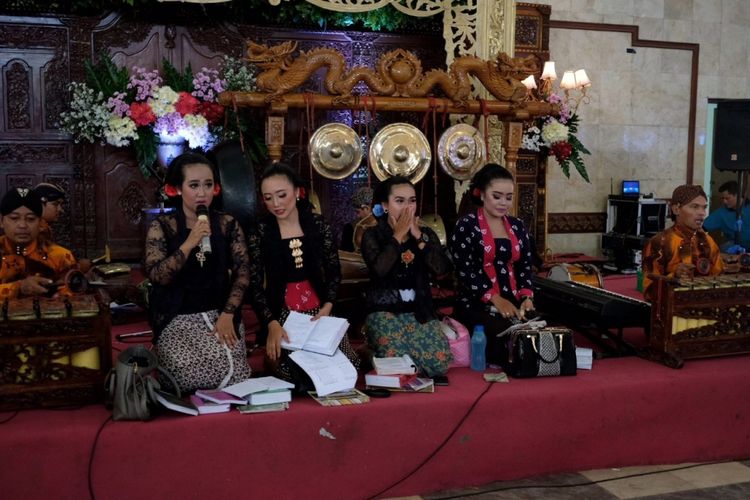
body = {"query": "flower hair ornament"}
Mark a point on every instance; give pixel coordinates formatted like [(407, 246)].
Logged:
[(217, 189), (377, 210), (476, 192), (302, 193), (170, 190)]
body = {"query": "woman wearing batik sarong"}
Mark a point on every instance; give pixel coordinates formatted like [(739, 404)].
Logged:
[(402, 258)]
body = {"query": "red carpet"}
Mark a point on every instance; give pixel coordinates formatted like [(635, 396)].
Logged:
[(625, 411)]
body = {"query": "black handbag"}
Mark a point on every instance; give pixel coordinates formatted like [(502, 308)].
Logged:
[(544, 352)]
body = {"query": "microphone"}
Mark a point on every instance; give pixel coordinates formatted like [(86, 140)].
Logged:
[(202, 213)]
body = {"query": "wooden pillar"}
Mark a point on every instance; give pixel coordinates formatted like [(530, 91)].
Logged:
[(512, 139), (275, 137)]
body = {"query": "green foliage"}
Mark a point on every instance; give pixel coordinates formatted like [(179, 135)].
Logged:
[(145, 151), (105, 76), (179, 81), (578, 149)]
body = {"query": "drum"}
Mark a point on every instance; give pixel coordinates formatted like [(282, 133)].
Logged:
[(587, 274)]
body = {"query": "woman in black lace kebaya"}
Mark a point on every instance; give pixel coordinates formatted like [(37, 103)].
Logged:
[(492, 254), (195, 301), (402, 258), (294, 266)]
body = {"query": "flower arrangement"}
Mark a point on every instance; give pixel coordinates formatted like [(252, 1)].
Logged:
[(146, 107), (557, 136)]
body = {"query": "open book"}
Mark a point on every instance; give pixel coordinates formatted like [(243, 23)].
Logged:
[(174, 403), (329, 374), (400, 365), (322, 335)]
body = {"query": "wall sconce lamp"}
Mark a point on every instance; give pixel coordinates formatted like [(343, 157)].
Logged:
[(574, 85)]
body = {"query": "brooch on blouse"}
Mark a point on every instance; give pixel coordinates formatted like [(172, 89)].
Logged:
[(407, 257), (295, 245), (200, 256)]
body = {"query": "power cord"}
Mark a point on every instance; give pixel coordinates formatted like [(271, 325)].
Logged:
[(91, 456), (572, 485), (11, 417), (440, 446)]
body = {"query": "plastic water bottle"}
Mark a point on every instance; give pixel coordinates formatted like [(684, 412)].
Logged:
[(478, 346)]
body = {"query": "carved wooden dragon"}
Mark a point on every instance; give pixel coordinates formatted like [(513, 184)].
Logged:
[(398, 73)]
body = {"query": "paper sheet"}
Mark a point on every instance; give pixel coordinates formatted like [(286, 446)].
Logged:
[(329, 373)]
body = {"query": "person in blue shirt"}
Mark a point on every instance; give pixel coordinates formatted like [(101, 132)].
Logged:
[(724, 219)]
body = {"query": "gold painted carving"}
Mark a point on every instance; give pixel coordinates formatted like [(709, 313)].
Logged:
[(398, 73)]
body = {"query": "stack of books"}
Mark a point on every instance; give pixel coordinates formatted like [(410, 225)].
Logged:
[(397, 374), (254, 395), (263, 394), (214, 401)]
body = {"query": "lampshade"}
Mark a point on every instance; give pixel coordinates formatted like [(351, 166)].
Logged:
[(529, 82), (582, 79), (549, 71), (568, 81)]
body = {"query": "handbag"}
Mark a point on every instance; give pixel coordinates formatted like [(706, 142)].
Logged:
[(131, 385), (458, 340), (544, 352)]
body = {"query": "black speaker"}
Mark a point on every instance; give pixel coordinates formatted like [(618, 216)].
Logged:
[(732, 135)]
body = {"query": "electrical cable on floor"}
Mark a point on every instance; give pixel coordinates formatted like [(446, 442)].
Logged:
[(15, 413), (91, 456), (440, 446), (573, 485)]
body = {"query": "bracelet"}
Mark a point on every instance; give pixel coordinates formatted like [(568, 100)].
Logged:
[(529, 297), (229, 309)]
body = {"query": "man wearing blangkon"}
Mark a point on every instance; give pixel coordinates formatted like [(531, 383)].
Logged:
[(683, 250), (29, 266)]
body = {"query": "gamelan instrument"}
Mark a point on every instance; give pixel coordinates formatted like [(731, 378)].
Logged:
[(587, 274), (54, 351), (700, 317), (592, 311)]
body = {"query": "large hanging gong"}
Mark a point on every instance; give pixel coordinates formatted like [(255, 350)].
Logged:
[(461, 151), (400, 149), (335, 151)]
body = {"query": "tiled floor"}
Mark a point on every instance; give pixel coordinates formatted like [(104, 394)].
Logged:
[(722, 481)]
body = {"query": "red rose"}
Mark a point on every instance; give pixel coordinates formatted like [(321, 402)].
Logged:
[(141, 114), (561, 150), (186, 104), (213, 112)]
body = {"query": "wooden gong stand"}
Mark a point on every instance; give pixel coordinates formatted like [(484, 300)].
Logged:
[(397, 84)]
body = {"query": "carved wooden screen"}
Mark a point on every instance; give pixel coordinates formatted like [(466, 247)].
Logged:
[(35, 64), (532, 38)]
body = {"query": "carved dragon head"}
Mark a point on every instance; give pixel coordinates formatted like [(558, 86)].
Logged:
[(270, 57), (516, 67)]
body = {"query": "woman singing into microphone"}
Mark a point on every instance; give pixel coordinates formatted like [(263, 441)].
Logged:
[(198, 266)]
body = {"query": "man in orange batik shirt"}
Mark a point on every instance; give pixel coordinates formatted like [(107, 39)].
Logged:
[(29, 266), (684, 250)]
